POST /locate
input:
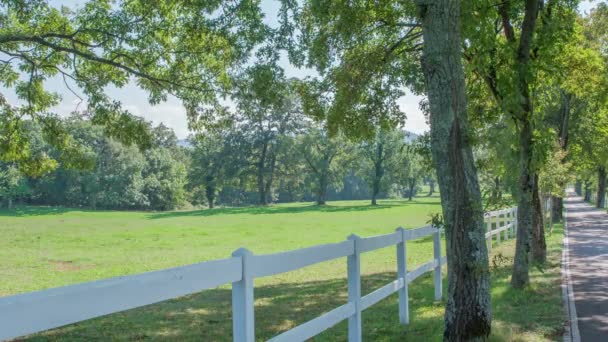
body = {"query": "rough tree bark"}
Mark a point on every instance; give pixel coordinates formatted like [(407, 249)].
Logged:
[(468, 310), (520, 276), (523, 114), (539, 244)]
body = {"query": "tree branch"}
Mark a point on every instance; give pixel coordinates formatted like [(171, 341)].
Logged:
[(503, 10), (95, 58)]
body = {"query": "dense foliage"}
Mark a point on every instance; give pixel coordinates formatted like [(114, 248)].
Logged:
[(116, 176), (216, 168)]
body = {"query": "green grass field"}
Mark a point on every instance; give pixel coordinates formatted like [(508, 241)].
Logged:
[(45, 247)]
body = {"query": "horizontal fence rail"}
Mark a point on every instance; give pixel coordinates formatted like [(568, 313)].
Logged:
[(47, 309), (500, 221)]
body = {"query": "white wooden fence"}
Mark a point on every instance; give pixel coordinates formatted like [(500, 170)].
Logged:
[(42, 310), (500, 221)]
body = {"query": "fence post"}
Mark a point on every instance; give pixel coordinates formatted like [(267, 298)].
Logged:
[(506, 223), (512, 223), (404, 314), (498, 226), (354, 290), (437, 255), (514, 227), (243, 323), (489, 231)]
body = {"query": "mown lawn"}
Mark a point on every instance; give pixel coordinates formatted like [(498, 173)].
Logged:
[(43, 247)]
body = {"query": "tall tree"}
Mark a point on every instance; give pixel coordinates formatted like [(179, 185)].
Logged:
[(506, 45), (411, 169), (367, 53), (267, 110), (378, 159), (326, 157), (219, 158), (467, 317)]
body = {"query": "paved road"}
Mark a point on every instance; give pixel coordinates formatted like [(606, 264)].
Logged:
[(588, 247)]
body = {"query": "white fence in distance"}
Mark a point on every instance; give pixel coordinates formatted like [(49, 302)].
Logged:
[(33, 312), (500, 221)]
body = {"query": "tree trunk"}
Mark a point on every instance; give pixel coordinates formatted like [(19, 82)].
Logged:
[(322, 191), (539, 245), (263, 200), (376, 185), (378, 172), (557, 207), (210, 190), (557, 202), (411, 190), (260, 175), (520, 276), (431, 187), (10, 203), (268, 192), (270, 177), (601, 187), (524, 113), (578, 187), (496, 192), (468, 310), (587, 191), (210, 199)]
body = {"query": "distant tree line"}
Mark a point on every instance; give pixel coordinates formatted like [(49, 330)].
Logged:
[(246, 162), (110, 175)]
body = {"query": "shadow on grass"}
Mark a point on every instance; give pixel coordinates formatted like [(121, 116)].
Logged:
[(30, 211), (280, 209), (36, 211), (26, 211), (207, 316)]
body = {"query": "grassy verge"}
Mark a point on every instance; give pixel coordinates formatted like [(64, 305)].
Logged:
[(282, 302)]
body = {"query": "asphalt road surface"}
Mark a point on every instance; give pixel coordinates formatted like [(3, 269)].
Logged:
[(588, 247)]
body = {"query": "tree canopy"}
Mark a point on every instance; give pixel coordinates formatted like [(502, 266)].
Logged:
[(168, 48)]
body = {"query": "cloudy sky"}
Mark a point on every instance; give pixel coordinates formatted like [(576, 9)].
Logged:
[(172, 113)]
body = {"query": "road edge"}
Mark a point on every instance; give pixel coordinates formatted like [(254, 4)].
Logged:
[(571, 333)]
